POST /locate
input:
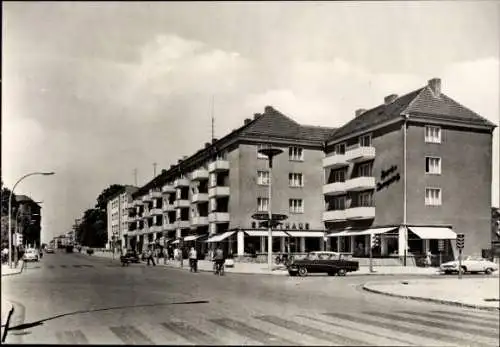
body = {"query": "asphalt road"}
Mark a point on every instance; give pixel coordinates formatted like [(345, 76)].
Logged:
[(77, 299)]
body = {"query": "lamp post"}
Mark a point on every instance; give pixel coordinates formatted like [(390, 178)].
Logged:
[(10, 208), (270, 153)]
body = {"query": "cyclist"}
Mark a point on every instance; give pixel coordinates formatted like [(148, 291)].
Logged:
[(218, 259)]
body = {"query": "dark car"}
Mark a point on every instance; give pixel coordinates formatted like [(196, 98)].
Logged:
[(331, 263), (130, 256)]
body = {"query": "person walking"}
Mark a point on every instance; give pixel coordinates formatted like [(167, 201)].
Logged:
[(193, 260), (149, 256), (165, 255)]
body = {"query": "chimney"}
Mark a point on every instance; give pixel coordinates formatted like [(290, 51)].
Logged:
[(435, 86), (247, 120), (390, 98), (184, 157), (207, 144), (163, 171), (256, 115), (359, 112), (268, 109), (179, 161), (214, 140), (172, 166)]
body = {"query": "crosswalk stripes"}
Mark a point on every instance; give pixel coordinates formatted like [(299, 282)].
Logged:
[(357, 328)]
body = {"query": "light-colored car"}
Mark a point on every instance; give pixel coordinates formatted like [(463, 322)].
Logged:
[(31, 255), (470, 264), (49, 250)]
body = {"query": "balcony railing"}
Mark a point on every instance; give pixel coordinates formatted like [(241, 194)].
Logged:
[(146, 198), (360, 183), (199, 197), (336, 188), (168, 207), (181, 182), (218, 191), (156, 228), (183, 224), (168, 227), (218, 165), (359, 153), (181, 203), (168, 188), (199, 221), (218, 217), (156, 194), (199, 174), (333, 216), (335, 161), (361, 212), (156, 211)]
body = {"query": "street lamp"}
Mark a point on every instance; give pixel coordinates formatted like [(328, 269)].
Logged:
[(10, 208), (270, 153)]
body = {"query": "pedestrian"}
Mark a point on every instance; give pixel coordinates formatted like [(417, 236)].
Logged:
[(165, 255), (193, 260), (149, 256), (428, 259)]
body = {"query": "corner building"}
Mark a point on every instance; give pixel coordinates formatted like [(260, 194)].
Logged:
[(211, 196), (414, 170)]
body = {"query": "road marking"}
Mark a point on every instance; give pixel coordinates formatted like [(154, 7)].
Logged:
[(50, 266), (131, 335), (63, 266), (457, 319), (366, 331), (251, 332), (406, 329), (476, 315), (72, 337), (314, 332), (77, 266), (424, 322), (190, 333)]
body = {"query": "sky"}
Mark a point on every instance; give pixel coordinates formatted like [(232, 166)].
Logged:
[(93, 91)]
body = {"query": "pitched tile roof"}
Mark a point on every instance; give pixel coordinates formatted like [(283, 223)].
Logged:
[(421, 102)]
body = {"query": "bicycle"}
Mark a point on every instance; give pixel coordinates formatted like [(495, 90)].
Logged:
[(219, 268)]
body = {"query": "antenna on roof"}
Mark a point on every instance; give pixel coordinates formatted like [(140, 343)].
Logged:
[(213, 119), (154, 169), (135, 177)]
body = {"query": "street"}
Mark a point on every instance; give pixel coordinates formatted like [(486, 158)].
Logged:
[(80, 299)]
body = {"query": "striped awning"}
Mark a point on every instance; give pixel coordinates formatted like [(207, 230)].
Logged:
[(220, 237), (373, 231)]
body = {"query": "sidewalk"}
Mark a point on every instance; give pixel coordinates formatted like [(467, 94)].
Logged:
[(7, 310), (468, 292), (7, 271)]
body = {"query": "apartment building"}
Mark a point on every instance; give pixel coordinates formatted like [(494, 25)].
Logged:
[(211, 195), (118, 215), (414, 170)]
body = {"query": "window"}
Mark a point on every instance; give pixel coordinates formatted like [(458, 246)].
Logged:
[(295, 180), (263, 178), (432, 134), (433, 165), (338, 176), (339, 149), (433, 196), (365, 199), (296, 206), (260, 155), (365, 170), (295, 153), (365, 141), (262, 204), (221, 155), (336, 204)]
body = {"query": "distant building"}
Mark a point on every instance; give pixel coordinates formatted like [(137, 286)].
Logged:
[(28, 220), (117, 211)]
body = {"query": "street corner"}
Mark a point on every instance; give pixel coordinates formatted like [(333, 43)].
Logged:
[(8, 271)]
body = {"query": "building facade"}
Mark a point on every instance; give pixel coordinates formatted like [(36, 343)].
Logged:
[(212, 195), (413, 170), (117, 216), (27, 220)]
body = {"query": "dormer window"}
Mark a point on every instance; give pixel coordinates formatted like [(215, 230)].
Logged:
[(365, 141), (339, 148)]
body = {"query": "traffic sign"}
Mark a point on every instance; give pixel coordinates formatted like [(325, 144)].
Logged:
[(265, 216), (460, 241)]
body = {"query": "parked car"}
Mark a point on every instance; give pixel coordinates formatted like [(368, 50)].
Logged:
[(331, 263), (31, 254), (49, 250), (470, 264), (130, 256)]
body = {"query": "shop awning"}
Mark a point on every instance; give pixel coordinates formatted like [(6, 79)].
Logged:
[(434, 233), (373, 231), (305, 233), (175, 242), (192, 237), (276, 233), (220, 237)]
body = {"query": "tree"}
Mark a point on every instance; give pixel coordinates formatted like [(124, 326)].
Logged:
[(103, 198)]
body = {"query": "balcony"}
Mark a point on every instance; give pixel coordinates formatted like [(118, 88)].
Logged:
[(156, 229), (363, 212), (168, 227), (199, 197), (181, 182), (168, 207), (218, 165), (357, 154), (199, 221), (155, 194), (181, 203), (146, 214), (200, 174), (335, 161), (137, 202), (360, 183), (168, 188), (334, 216), (337, 188), (183, 224), (146, 198), (218, 191), (218, 217), (156, 211)]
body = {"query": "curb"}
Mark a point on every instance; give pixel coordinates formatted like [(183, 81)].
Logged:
[(419, 298), (18, 272), (7, 322)]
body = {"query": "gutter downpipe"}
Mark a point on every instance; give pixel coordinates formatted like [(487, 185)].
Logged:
[(405, 196)]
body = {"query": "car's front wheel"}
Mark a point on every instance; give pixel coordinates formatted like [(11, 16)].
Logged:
[(488, 271), (342, 272), (302, 271)]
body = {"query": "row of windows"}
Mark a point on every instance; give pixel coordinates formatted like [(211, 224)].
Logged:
[(294, 153), (294, 179), (294, 205), (432, 198)]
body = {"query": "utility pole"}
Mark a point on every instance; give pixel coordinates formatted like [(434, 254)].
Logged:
[(154, 169), (213, 119), (135, 177)]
